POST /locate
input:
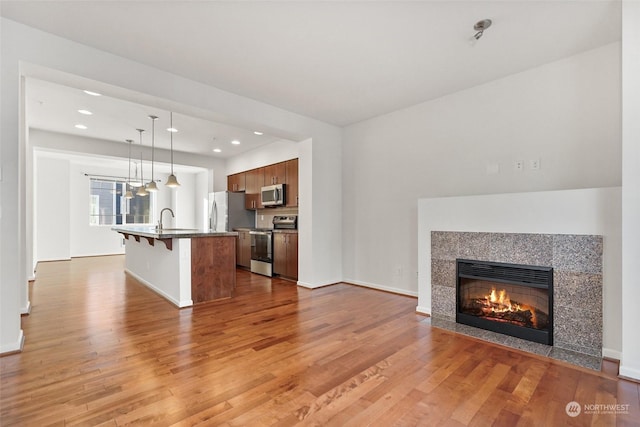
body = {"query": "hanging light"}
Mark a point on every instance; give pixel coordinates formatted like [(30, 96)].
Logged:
[(172, 181), (129, 194), (142, 191), (135, 182), (151, 186)]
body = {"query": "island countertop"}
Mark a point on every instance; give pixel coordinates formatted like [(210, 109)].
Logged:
[(171, 233)]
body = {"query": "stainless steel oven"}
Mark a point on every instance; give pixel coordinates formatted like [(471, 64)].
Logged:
[(262, 252)]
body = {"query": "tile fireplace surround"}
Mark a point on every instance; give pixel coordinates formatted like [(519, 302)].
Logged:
[(577, 289)]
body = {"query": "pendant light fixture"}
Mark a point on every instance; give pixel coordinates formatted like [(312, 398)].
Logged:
[(142, 191), (135, 182), (151, 186), (172, 181), (129, 194)]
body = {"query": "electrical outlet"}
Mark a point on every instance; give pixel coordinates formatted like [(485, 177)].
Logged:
[(534, 164), (518, 165)]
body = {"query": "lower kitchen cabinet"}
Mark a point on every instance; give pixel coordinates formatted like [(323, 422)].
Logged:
[(285, 254), (243, 249)]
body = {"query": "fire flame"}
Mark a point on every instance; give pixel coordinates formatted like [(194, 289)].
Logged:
[(499, 302)]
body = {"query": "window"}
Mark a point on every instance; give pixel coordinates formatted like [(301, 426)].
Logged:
[(107, 205)]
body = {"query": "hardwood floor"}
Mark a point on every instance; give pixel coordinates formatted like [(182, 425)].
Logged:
[(102, 349)]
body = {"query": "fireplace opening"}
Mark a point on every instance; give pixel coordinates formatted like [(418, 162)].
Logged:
[(511, 299)]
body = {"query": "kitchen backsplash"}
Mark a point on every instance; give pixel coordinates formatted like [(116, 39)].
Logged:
[(264, 217)]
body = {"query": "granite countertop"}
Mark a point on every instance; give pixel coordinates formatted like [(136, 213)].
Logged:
[(171, 233), (282, 230)]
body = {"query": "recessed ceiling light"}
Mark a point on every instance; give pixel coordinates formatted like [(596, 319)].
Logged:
[(235, 142), (172, 129), (258, 132), (217, 150), (88, 92), (81, 126), (85, 112)]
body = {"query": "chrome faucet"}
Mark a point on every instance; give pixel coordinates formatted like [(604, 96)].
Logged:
[(159, 226)]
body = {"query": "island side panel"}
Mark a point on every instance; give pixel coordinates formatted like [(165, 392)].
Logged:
[(213, 268), (161, 269)]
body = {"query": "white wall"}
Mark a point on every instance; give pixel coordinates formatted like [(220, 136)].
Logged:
[(52, 209), (13, 277), (167, 272), (566, 113), (630, 362), (184, 203), (33, 53), (88, 240), (62, 207), (202, 191), (588, 211)]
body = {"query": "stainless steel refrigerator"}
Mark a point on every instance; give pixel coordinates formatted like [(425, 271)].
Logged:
[(226, 212)]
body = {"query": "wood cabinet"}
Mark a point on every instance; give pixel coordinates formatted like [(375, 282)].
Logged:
[(275, 174), (285, 254), (254, 181), (213, 268), (291, 169), (243, 249), (236, 182)]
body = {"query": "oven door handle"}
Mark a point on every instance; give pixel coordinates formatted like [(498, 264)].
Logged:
[(262, 233)]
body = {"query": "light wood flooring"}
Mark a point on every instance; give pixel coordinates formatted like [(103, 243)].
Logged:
[(101, 349)]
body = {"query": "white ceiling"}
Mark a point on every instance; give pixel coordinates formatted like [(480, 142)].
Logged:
[(337, 61), (54, 107)]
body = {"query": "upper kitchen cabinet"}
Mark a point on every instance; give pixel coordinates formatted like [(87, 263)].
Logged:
[(291, 174), (254, 181), (236, 182), (275, 174)]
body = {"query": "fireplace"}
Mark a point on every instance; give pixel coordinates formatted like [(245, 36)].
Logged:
[(511, 299)]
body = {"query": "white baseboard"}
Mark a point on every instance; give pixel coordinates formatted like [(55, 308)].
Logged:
[(611, 354), (312, 286), (15, 346), (423, 310), (382, 287), (629, 372), (27, 309), (54, 259), (91, 255), (179, 304)]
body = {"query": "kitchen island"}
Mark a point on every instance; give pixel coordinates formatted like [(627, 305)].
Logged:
[(185, 266)]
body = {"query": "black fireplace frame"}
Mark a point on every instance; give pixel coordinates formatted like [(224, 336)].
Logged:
[(512, 274)]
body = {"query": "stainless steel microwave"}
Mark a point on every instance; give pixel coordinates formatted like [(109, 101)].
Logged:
[(272, 195)]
